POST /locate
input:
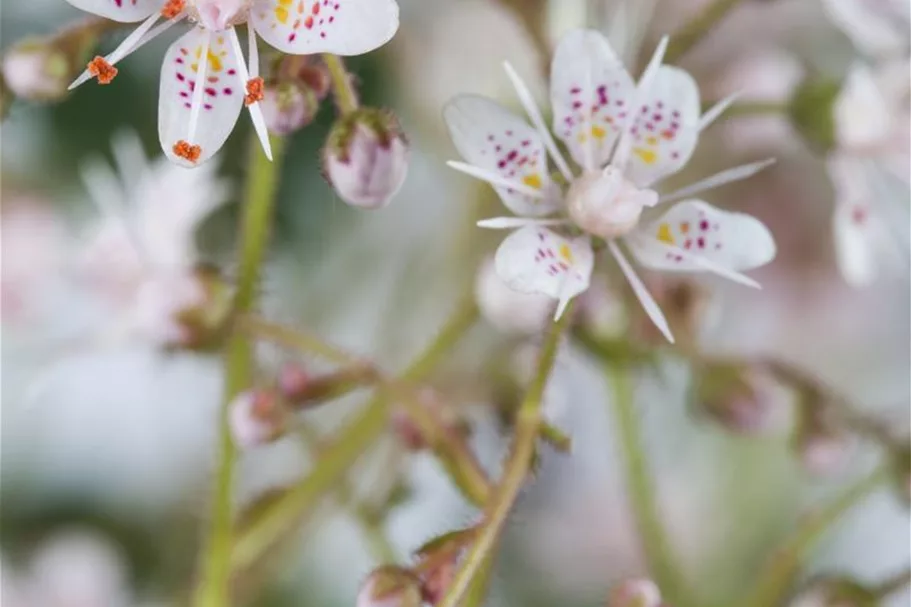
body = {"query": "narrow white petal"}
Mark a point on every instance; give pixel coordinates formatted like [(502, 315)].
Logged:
[(718, 179), (130, 158), (132, 41), (256, 113), (104, 189), (625, 144), (199, 89), (493, 178), (253, 49), (645, 298), (531, 108), (509, 223), (717, 110)]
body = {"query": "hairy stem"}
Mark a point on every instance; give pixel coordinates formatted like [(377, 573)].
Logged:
[(356, 439), (644, 502), (698, 28), (775, 580), (262, 185), (342, 87), (528, 429)]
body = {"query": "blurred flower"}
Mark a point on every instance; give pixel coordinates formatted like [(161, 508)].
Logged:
[(200, 102), (834, 592), (743, 398), (36, 71), (293, 381), (507, 309), (390, 587), (655, 126), (257, 417), (635, 593), (366, 158), (877, 27), (288, 107)]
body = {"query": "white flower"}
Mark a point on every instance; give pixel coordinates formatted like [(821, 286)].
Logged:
[(200, 102), (141, 257), (877, 27), (626, 137), (869, 171)]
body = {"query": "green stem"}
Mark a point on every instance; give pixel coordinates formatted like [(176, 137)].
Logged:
[(776, 579), (698, 28), (342, 88), (262, 185), (528, 428), (757, 108), (642, 494), (354, 441)]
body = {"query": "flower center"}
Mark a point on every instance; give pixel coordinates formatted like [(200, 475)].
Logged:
[(606, 204), (218, 15)]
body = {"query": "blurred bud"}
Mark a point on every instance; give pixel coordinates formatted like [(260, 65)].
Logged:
[(507, 309), (746, 399), (437, 561), (812, 112), (410, 433), (635, 593), (390, 587), (205, 311), (307, 71), (288, 107), (834, 592), (822, 445), (293, 381), (256, 418), (36, 71), (366, 158)]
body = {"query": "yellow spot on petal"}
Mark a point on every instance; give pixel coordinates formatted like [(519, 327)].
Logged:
[(281, 15), (664, 234), (598, 132), (566, 253), (647, 156), (651, 140), (533, 181)]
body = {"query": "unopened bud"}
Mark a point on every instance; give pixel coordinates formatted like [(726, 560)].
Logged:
[(746, 399), (202, 320), (36, 70), (390, 587), (293, 382), (635, 593), (507, 309), (256, 418), (606, 204), (409, 431), (366, 158), (288, 107), (822, 445), (834, 592), (308, 71)]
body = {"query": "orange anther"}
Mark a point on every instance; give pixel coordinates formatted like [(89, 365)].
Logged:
[(101, 69), (182, 149), (172, 8), (255, 91)]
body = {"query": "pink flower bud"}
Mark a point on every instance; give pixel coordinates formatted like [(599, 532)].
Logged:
[(257, 418), (635, 593), (366, 158), (507, 309), (390, 587), (747, 399), (293, 381), (824, 453), (288, 108), (36, 71)]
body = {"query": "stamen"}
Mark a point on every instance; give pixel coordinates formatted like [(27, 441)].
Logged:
[(172, 8), (183, 149), (101, 69), (255, 91)]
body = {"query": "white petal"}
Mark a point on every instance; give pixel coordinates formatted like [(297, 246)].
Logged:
[(697, 261), (855, 253), (718, 179), (243, 77), (123, 12), (862, 114), (535, 260), (511, 223), (666, 129), (493, 139), (342, 27), (876, 27), (717, 110), (591, 93), (645, 298), (221, 99), (734, 241)]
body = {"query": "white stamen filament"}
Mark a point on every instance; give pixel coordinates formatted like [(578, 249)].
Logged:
[(494, 179), (531, 108), (253, 49), (256, 112), (718, 179), (508, 223), (625, 143), (717, 110), (202, 66), (133, 39), (645, 298)]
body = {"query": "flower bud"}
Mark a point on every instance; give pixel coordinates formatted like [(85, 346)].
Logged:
[(507, 309), (744, 399), (410, 433), (822, 445), (635, 593), (812, 112), (288, 107), (834, 592), (307, 71), (606, 204), (36, 71), (366, 158), (390, 587), (293, 382), (202, 318), (257, 418)]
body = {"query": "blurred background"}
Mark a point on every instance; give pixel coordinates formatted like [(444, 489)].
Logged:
[(108, 443)]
